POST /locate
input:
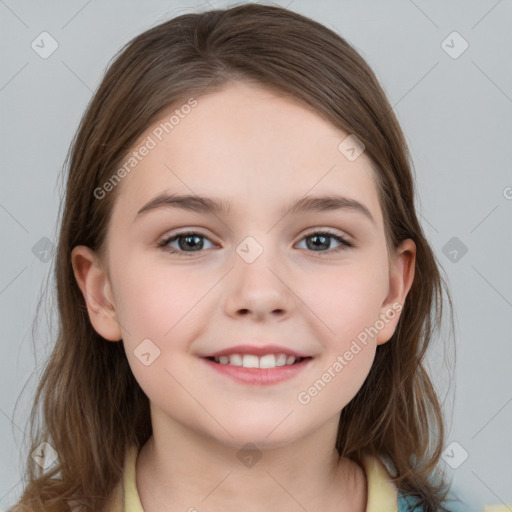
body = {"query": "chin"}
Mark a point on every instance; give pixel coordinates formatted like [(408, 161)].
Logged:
[(262, 434)]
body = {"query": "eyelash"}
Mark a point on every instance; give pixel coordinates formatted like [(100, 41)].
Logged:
[(344, 243)]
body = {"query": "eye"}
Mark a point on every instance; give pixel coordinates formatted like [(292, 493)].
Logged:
[(321, 240), (189, 242)]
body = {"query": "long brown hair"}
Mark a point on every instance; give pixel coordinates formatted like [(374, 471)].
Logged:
[(92, 406)]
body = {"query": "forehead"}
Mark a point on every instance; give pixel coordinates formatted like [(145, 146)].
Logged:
[(249, 145)]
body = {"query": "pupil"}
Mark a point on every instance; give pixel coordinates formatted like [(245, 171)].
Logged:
[(189, 244), (324, 245)]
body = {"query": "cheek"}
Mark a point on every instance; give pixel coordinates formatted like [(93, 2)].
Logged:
[(161, 306), (346, 301), (153, 300), (167, 307), (330, 391)]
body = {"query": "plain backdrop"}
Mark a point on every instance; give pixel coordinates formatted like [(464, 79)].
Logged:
[(447, 70)]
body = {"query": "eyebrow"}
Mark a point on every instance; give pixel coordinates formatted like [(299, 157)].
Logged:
[(210, 205)]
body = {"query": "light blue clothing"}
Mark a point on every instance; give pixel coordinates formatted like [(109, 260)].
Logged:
[(407, 504)]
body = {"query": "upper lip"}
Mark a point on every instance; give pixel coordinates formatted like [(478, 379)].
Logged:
[(257, 351)]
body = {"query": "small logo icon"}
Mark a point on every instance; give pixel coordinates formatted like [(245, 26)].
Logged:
[(43, 249), (454, 45), (454, 249), (249, 455), (45, 455), (44, 45), (351, 148), (454, 455), (146, 352), (249, 249)]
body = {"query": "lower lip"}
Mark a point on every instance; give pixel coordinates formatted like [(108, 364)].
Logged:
[(258, 376)]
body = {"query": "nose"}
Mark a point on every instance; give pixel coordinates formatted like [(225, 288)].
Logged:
[(257, 291)]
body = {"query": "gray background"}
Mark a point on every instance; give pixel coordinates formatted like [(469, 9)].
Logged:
[(457, 117)]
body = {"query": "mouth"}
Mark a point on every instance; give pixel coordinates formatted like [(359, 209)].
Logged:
[(267, 361), (253, 370)]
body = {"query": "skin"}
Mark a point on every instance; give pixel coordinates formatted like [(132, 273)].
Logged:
[(259, 150)]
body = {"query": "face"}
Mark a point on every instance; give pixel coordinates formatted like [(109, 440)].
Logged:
[(311, 282)]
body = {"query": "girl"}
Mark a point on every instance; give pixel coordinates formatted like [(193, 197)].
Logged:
[(245, 291)]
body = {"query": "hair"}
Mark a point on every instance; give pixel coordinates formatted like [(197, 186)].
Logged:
[(93, 408)]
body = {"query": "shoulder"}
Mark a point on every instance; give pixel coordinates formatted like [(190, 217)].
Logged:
[(114, 503), (408, 504), (381, 491)]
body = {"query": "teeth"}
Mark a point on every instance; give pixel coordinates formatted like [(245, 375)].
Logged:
[(252, 361), (236, 360), (268, 361), (281, 360)]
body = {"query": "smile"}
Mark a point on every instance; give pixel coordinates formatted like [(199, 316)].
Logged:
[(250, 369), (253, 361)]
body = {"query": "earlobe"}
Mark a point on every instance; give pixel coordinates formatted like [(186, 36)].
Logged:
[(96, 289), (400, 282)]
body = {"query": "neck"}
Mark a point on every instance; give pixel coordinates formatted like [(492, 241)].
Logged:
[(187, 471)]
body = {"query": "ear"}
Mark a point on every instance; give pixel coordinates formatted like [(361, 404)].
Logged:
[(400, 281), (96, 289)]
